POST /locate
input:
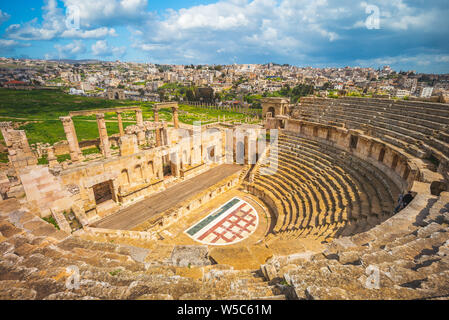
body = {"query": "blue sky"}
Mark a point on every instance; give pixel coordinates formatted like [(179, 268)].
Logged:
[(410, 34)]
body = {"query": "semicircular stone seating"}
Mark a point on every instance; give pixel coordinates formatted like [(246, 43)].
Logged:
[(419, 128), (405, 256), (323, 192)]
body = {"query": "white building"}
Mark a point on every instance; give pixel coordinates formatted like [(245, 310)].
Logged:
[(74, 91), (402, 93), (426, 92)]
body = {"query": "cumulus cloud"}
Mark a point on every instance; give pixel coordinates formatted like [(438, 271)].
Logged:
[(302, 32), (110, 12), (8, 46), (101, 48), (53, 26), (70, 50), (293, 31)]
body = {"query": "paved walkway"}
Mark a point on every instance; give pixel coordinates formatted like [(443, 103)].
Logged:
[(140, 212)]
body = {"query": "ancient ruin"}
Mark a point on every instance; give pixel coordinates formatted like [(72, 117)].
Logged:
[(300, 208)]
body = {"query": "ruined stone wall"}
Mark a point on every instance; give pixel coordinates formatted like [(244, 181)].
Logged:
[(137, 172), (20, 154)]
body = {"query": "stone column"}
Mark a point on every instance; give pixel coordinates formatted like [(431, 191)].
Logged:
[(165, 134), (175, 117), (120, 124), (139, 118), (141, 139), (69, 129), (141, 133), (104, 139), (156, 114), (158, 137)]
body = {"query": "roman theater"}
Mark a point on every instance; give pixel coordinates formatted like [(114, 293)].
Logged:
[(301, 207)]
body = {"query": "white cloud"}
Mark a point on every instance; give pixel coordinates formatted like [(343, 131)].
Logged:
[(110, 12), (227, 27), (300, 30), (422, 59), (71, 50), (9, 46), (8, 43), (3, 16), (89, 34), (53, 26), (396, 15), (227, 31), (101, 48)]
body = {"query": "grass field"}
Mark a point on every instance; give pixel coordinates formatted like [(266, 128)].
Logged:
[(39, 111)]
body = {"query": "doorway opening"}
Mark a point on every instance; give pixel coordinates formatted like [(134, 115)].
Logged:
[(103, 192)]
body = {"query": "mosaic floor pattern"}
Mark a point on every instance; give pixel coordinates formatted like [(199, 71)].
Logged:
[(233, 222)]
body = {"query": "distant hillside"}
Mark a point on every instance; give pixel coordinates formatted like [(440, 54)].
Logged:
[(69, 61)]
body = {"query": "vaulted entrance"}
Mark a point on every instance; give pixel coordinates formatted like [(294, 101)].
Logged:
[(103, 192)]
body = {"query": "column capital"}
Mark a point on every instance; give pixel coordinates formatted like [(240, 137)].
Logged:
[(5, 124), (65, 119)]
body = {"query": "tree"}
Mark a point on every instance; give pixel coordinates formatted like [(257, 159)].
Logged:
[(326, 86), (190, 95)]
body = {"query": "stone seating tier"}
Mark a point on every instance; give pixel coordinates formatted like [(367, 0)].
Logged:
[(418, 128), (321, 191)]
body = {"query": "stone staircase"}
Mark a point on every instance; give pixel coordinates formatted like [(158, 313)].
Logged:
[(43, 188)]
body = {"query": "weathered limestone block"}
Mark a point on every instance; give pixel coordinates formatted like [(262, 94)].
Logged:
[(80, 213), (61, 221), (128, 145), (183, 256), (52, 160), (349, 257), (320, 293)]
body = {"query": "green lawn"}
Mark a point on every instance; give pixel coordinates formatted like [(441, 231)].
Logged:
[(52, 104), (44, 107)]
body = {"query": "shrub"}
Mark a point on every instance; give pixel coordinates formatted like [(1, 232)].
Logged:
[(52, 221)]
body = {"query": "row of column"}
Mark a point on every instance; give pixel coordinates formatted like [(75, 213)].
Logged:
[(75, 151), (175, 110), (223, 107)]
